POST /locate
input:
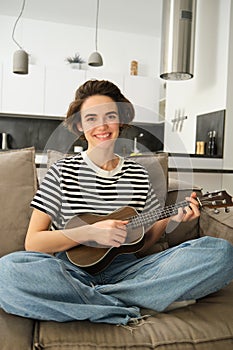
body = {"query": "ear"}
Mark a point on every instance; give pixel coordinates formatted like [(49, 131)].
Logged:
[(79, 127)]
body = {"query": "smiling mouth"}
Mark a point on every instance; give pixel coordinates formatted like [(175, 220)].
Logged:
[(103, 136)]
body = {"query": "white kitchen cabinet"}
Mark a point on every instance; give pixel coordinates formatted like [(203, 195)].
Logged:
[(23, 94), (1, 70), (143, 92), (60, 86), (50, 90)]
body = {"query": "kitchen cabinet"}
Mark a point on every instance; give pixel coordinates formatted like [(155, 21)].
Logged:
[(1, 70), (61, 83), (23, 94), (49, 91), (143, 92), (60, 86)]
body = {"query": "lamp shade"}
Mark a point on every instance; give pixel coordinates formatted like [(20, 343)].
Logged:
[(178, 36), (95, 59), (20, 62)]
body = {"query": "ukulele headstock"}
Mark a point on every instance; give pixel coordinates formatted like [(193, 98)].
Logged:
[(216, 199)]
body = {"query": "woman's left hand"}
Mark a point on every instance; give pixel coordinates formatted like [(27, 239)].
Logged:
[(190, 212)]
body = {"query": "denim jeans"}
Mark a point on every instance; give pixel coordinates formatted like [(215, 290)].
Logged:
[(45, 287)]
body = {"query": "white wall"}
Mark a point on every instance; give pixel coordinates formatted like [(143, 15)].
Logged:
[(49, 43), (228, 149), (207, 91)]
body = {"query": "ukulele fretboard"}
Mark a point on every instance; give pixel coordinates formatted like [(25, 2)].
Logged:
[(147, 219)]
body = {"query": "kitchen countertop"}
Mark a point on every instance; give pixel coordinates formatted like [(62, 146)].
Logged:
[(176, 162)]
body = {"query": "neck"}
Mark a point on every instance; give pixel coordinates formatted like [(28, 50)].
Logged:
[(105, 159)]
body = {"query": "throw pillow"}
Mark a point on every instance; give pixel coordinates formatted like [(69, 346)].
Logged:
[(17, 186)]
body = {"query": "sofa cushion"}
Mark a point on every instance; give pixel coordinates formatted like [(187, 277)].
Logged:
[(53, 156), (184, 231), (157, 166), (205, 325), (217, 225), (15, 332), (17, 187)]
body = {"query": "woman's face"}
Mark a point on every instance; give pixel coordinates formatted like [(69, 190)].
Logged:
[(99, 121)]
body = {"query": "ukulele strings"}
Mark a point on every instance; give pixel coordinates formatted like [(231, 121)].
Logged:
[(146, 219)]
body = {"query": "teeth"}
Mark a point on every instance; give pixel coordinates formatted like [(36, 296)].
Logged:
[(102, 136)]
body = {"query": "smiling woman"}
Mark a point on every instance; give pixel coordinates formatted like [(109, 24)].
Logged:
[(101, 183), (122, 106)]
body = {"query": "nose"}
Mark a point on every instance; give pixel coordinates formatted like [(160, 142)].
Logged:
[(102, 122)]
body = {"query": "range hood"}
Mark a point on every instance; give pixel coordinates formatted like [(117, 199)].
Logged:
[(178, 39)]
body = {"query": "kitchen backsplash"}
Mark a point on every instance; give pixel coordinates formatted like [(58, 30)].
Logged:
[(210, 132), (49, 133)]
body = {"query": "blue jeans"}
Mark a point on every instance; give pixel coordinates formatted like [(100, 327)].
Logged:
[(44, 287)]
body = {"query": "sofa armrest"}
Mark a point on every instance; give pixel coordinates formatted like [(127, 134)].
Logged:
[(217, 225)]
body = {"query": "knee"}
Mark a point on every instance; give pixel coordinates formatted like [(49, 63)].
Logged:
[(7, 266), (226, 252), (221, 251), (223, 257)]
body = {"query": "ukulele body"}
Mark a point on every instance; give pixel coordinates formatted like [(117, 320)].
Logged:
[(95, 259)]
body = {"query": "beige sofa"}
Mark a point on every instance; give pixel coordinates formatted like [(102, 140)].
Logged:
[(208, 324)]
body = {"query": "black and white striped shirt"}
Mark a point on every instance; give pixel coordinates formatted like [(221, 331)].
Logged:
[(75, 185)]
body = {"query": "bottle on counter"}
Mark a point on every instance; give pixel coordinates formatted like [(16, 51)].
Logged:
[(212, 145), (4, 141), (134, 68)]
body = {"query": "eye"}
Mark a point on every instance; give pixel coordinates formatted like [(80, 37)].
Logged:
[(112, 117), (90, 119)]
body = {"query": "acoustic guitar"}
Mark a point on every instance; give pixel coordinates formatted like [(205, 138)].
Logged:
[(95, 259)]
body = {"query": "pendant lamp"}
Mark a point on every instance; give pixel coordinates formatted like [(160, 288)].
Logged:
[(178, 37), (95, 58), (20, 58)]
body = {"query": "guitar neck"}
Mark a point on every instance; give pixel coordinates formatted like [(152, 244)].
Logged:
[(146, 220)]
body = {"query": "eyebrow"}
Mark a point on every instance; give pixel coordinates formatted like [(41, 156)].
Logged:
[(112, 112)]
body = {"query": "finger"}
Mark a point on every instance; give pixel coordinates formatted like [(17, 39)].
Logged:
[(195, 209), (118, 239), (180, 214), (192, 211), (187, 211), (122, 222), (191, 200)]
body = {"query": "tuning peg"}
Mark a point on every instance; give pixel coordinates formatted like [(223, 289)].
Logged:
[(216, 211), (227, 210)]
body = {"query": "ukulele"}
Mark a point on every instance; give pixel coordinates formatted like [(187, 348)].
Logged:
[(95, 259)]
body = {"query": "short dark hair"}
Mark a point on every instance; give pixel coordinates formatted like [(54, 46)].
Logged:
[(98, 87)]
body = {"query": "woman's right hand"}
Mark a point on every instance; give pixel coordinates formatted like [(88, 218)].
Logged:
[(107, 233)]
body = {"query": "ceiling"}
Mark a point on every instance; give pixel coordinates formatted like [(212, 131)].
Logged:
[(132, 16)]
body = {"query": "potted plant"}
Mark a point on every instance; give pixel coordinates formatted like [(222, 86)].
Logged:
[(75, 61)]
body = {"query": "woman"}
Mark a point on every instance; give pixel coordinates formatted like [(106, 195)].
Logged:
[(43, 283)]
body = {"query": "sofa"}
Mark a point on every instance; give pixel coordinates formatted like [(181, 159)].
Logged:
[(207, 324)]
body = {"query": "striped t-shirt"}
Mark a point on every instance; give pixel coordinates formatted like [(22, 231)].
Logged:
[(75, 185)]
